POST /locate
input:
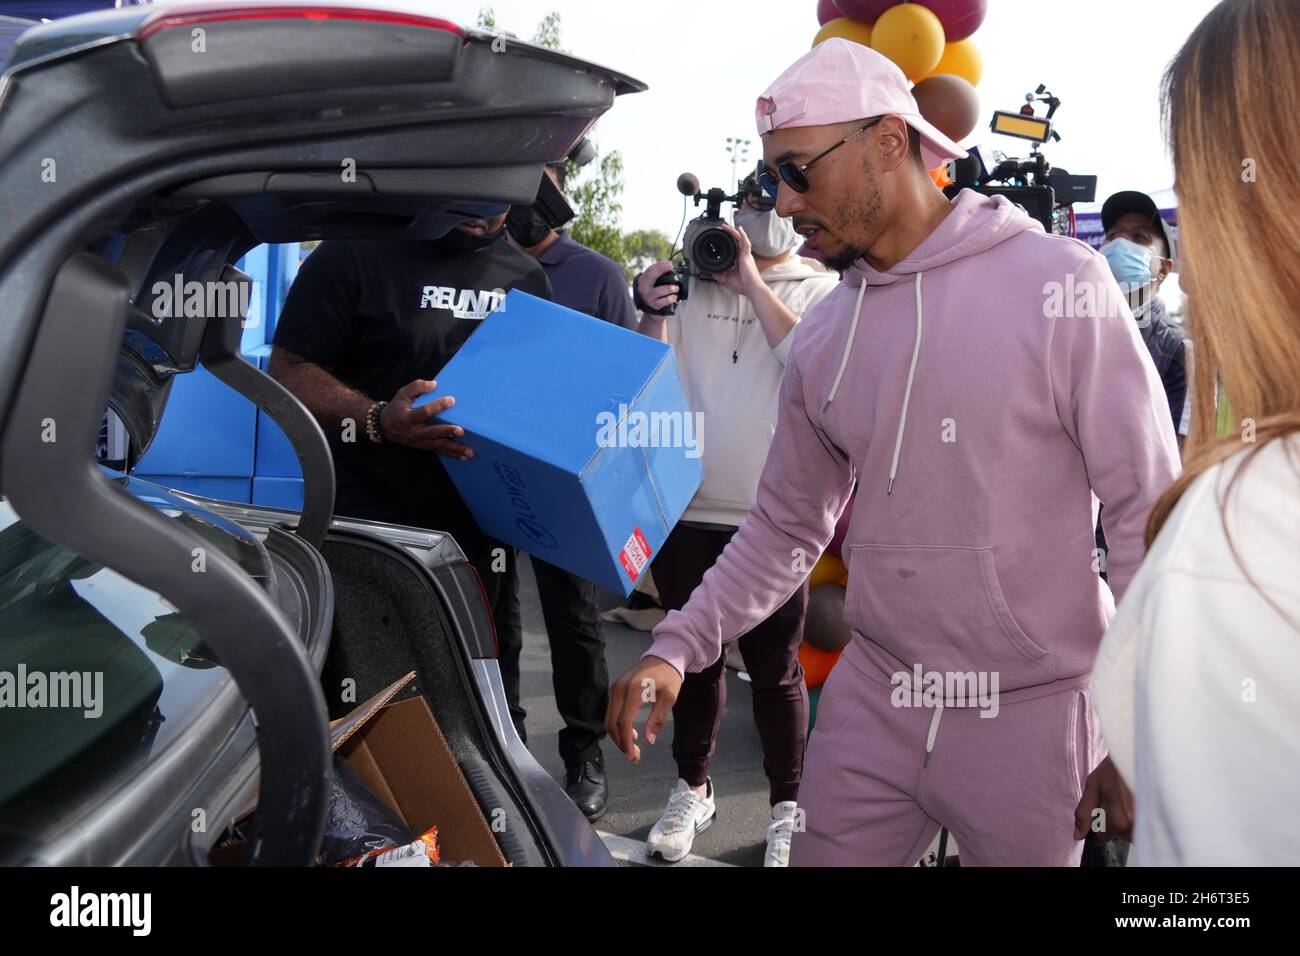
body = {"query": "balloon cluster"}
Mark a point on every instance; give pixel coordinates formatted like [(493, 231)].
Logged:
[(825, 632), (930, 41)]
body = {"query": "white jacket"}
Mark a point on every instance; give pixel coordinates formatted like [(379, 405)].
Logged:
[(737, 399), (1196, 681)]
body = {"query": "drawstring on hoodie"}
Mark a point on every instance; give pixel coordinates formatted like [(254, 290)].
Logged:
[(740, 331), (740, 320), (911, 373), (907, 393), (934, 732), (848, 347)]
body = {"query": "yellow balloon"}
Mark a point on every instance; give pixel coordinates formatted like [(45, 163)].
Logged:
[(828, 570), (963, 59), (911, 36), (845, 28)]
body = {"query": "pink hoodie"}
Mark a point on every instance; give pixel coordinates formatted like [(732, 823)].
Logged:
[(978, 391)]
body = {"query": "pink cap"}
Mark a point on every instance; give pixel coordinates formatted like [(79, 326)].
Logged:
[(838, 81)]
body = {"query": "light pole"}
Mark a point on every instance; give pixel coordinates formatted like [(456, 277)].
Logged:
[(738, 150)]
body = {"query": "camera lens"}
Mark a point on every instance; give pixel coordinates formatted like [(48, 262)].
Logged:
[(715, 251)]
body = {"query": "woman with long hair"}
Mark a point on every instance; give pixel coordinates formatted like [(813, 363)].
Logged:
[(1197, 684)]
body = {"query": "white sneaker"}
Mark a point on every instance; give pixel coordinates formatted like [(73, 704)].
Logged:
[(687, 814), (779, 832)]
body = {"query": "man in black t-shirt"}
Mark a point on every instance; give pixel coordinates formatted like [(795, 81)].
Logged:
[(365, 328)]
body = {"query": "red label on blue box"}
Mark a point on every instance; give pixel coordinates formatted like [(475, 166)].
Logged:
[(635, 554)]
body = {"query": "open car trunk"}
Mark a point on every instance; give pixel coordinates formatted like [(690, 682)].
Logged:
[(162, 163), (405, 599)]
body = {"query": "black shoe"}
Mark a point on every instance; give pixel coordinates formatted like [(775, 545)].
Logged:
[(585, 784)]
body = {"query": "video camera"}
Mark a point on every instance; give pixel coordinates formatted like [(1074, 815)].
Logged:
[(1043, 192), (706, 247)]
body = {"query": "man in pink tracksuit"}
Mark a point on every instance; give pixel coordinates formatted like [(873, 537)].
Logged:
[(981, 380)]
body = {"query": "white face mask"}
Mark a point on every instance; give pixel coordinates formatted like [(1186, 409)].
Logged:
[(768, 233)]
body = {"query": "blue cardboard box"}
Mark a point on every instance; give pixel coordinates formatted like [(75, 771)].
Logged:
[(585, 452), (274, 456), (207, 429), (278, 492)]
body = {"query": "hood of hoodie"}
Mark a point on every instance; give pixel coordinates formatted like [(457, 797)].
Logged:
[(977, 223)]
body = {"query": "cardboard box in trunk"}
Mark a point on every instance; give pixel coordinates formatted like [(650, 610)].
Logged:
[(398, 752)]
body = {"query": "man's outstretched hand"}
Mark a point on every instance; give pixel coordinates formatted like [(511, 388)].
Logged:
[(652, 681)]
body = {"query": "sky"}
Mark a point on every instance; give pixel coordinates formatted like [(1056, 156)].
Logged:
[(707, 60)]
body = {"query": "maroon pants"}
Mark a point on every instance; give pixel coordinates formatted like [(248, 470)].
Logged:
[(771, 654)]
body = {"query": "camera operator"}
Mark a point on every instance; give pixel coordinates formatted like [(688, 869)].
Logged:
[(731, 337)]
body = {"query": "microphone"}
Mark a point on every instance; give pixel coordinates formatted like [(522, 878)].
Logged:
[(688, 184)]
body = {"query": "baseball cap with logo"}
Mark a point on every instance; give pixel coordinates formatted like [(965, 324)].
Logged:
[(839, 81)]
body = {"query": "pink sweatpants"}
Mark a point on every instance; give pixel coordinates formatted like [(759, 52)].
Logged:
[(1006, 786)]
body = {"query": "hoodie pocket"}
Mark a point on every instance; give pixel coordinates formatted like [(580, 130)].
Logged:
[(734, 451), (942, 608)]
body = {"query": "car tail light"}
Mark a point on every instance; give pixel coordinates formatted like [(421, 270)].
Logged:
[(197, 14)]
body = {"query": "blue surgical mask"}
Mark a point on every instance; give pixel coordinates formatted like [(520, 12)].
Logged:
[(1129, 263)]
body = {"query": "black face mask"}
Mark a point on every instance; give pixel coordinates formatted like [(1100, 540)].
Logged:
[(527, 226), (458, 243)]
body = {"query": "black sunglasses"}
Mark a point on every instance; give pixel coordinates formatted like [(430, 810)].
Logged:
[(793, 173)]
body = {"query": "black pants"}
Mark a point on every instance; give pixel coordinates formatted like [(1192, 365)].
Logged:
[(771, 653), (579, 674)]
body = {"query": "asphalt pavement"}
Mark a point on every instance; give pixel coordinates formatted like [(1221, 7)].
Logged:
[(638, 792)]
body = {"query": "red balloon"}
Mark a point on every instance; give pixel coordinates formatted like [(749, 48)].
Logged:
[(950, 103), (841, 529), (865, 11), (827, 11), (960, 18)]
